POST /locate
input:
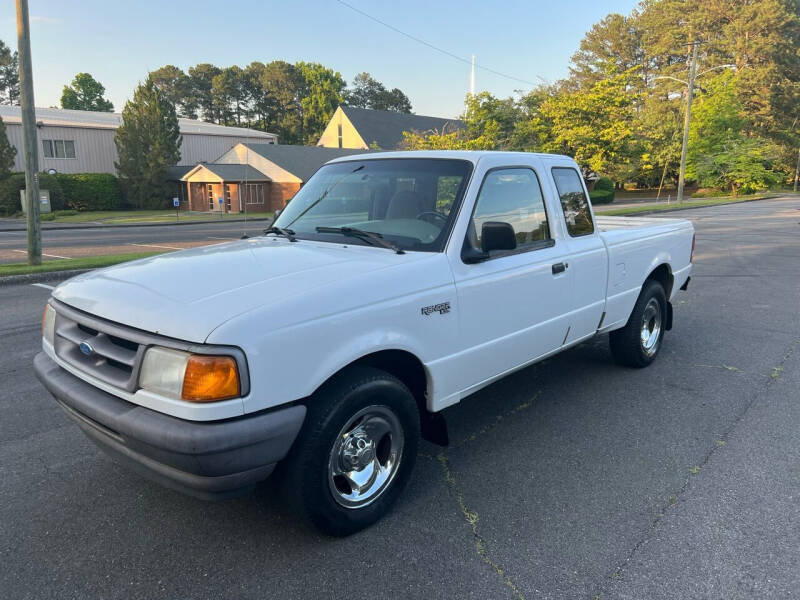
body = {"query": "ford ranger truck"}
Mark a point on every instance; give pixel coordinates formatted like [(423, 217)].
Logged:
[(391, 286)]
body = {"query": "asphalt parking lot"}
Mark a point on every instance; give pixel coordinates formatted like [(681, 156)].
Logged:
[(573, 478)]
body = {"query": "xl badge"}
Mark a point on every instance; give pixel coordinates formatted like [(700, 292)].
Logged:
[(86, 348), (442, 308)]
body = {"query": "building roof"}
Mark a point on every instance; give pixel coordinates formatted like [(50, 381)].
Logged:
[(301, 161), (62, 117), (230, 172), (175, 173), (385, 128)]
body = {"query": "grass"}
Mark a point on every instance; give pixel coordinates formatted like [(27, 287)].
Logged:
[(118, 217), (697, 203), (89, 262)]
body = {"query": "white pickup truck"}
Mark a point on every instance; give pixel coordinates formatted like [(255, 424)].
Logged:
[(392, 286)]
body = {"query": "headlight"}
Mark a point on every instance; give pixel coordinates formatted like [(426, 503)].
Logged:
[(49, 324), (191, 377)]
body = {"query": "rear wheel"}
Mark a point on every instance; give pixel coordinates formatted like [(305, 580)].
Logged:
[(638, 343), (355, 452)]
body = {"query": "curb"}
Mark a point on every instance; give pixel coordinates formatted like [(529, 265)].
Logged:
[(39, 277), (87, 226), (669, 210)]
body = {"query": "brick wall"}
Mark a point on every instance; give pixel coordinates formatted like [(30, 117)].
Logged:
[(280, 193)]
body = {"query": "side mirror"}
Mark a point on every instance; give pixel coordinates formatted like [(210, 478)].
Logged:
[(497, 235)]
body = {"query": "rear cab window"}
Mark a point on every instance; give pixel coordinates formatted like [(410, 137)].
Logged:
[(574, 203)]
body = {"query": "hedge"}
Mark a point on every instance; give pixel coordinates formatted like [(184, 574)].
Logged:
[(91, 191), (601, 196), (11, 186), (81, 191)]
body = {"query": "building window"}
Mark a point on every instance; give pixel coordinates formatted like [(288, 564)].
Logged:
[(210, 197), (227, 197), (58, 148), (340, 134), (253, 193)]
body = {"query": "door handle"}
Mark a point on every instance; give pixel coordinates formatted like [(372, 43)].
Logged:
[(560, 268)]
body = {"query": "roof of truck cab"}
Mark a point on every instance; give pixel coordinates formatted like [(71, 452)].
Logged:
[(470, 155)]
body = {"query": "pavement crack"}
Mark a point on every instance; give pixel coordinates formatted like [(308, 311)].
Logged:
[(472, 518), (696, 469)]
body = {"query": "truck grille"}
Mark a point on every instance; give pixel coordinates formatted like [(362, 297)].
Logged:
[(103, 350)]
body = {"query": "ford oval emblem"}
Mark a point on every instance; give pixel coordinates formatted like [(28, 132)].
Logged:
[(86, 348)]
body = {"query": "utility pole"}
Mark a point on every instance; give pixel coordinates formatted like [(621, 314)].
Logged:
[(689, 97), (30, 146), (797, 170)]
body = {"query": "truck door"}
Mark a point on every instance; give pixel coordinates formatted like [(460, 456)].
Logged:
[(512, 305), (588, 254)]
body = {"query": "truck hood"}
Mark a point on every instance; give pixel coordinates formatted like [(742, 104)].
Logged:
[(187, 294)]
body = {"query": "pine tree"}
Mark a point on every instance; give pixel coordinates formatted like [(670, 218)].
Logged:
[(148, 141), (7, 152)]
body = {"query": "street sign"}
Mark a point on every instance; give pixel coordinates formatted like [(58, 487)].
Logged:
[(220, 200), (176, 202)]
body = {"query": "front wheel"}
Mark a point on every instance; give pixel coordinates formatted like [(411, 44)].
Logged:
[(355, 452), (638, 343)]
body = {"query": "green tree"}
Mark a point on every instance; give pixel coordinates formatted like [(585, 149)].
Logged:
[(201, 80), (7, 152), (176, 86), (148, 141), (720, 154), (85, 93), (613, 44), (368, 92), (283, 85), (230, 96), (9, 75), (323, 92), (596, 126)]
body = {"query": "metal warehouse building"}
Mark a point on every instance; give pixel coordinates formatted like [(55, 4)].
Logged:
[(79, 141)]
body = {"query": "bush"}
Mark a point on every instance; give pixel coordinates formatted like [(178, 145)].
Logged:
[(601, 196), (47, 217), (91, 191), (709, 193), (10, 192), (604, 183), (65, 213)]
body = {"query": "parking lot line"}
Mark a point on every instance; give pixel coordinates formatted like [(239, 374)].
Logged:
[(156, 246), (43, 254)]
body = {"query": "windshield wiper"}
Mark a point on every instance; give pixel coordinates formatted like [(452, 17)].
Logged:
[(369, 236), (287, 233)]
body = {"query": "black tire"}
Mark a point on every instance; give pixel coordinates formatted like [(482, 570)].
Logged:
[(306, 473), (627, 344)]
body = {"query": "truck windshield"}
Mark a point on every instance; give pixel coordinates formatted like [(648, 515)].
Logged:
[(409, 202)]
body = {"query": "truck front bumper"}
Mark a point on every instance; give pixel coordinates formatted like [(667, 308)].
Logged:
[(204, 459)]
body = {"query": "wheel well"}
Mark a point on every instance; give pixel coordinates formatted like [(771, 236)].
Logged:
[(410, 370), (663, 275), (403, 365)]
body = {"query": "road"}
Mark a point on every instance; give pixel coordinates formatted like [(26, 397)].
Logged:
[(573, 478), (71, 243)]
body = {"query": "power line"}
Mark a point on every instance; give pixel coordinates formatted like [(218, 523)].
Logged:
[(432, 47)]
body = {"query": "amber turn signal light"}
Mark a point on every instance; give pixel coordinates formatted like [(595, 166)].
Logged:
[(210, 379)]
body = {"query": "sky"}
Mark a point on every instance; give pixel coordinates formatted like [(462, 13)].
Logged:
[(120, 42)]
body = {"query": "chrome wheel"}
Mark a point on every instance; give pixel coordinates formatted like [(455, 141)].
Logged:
[(651, 327), (365, 456)]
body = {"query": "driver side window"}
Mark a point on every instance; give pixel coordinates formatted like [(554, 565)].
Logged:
[(512, 196)]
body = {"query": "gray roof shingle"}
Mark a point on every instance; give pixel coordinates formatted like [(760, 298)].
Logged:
[(385, 128), (233, 172), (302, 161)]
